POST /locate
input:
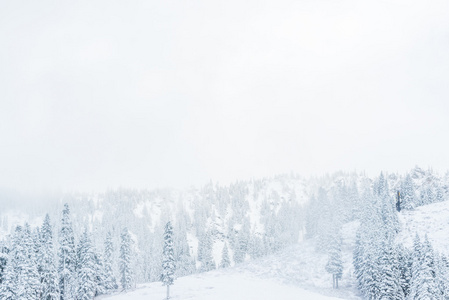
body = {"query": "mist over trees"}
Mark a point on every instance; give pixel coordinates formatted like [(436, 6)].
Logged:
[(93, 244)]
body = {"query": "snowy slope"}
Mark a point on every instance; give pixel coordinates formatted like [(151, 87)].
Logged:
[(432, 219), (221, 285), (303, 265)]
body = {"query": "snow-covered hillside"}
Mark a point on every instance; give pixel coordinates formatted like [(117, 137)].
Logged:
[(432, 219)]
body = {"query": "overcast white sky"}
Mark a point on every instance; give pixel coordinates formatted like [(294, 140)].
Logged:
[(98, 94)]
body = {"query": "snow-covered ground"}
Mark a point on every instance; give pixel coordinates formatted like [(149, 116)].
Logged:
[(432, 219), (221, 285), (303, 266)]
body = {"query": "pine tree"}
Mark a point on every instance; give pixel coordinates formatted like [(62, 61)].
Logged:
[(3, 260), (110, 281), (239, 254), (334, 265), (21, 276), (126, 275), (389, 282), (430, 195), (86, 269), (424, 284), (67, 257), (168, 259), (439, 197), (408, 193), (416, 266), (207, 261), (46, 261), (8, 288), (442, 273), (405, 268), (28, 276), (185, 263), (225, 262), (100, 274)]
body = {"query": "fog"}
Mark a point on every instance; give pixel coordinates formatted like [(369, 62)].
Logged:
[(104, 94)]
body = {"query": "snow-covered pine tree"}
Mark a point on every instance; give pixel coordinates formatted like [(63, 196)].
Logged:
[(168, 259), (86, 269), (30, 286), (334, 265), (207, 261), (381, 185), (185, 263), (244, 236), (225, 261), (428, 277), (21, 279), (8, 288), (366, 252), (430, 195), (46, 261), (357, 257), (126, 274), (239, 254), (110, 282), (324, 219), (100, 274), (423, 284), (3, 259), (416, 266), (439, 194), (408, 196), (389, 281), (67, 257), (442, 273), (405, 268)]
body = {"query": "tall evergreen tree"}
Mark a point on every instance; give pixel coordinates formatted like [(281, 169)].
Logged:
[(110, 280), (334, 265), (408, 196), (389, 281), (86, 268), (28, 276), (185, 263), (100, 274), (405, 268), (424, 284), (8, 288), (21, 277), (126, 274), (207, 261), (239, 254), (46, 261), (67, 257), (3, 260), (225, 261), (442, 273), (168, 259)]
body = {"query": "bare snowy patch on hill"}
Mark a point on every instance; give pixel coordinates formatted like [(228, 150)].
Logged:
[(432, 219)]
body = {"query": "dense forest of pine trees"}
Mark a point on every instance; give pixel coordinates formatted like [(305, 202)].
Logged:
[(111, 242)]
